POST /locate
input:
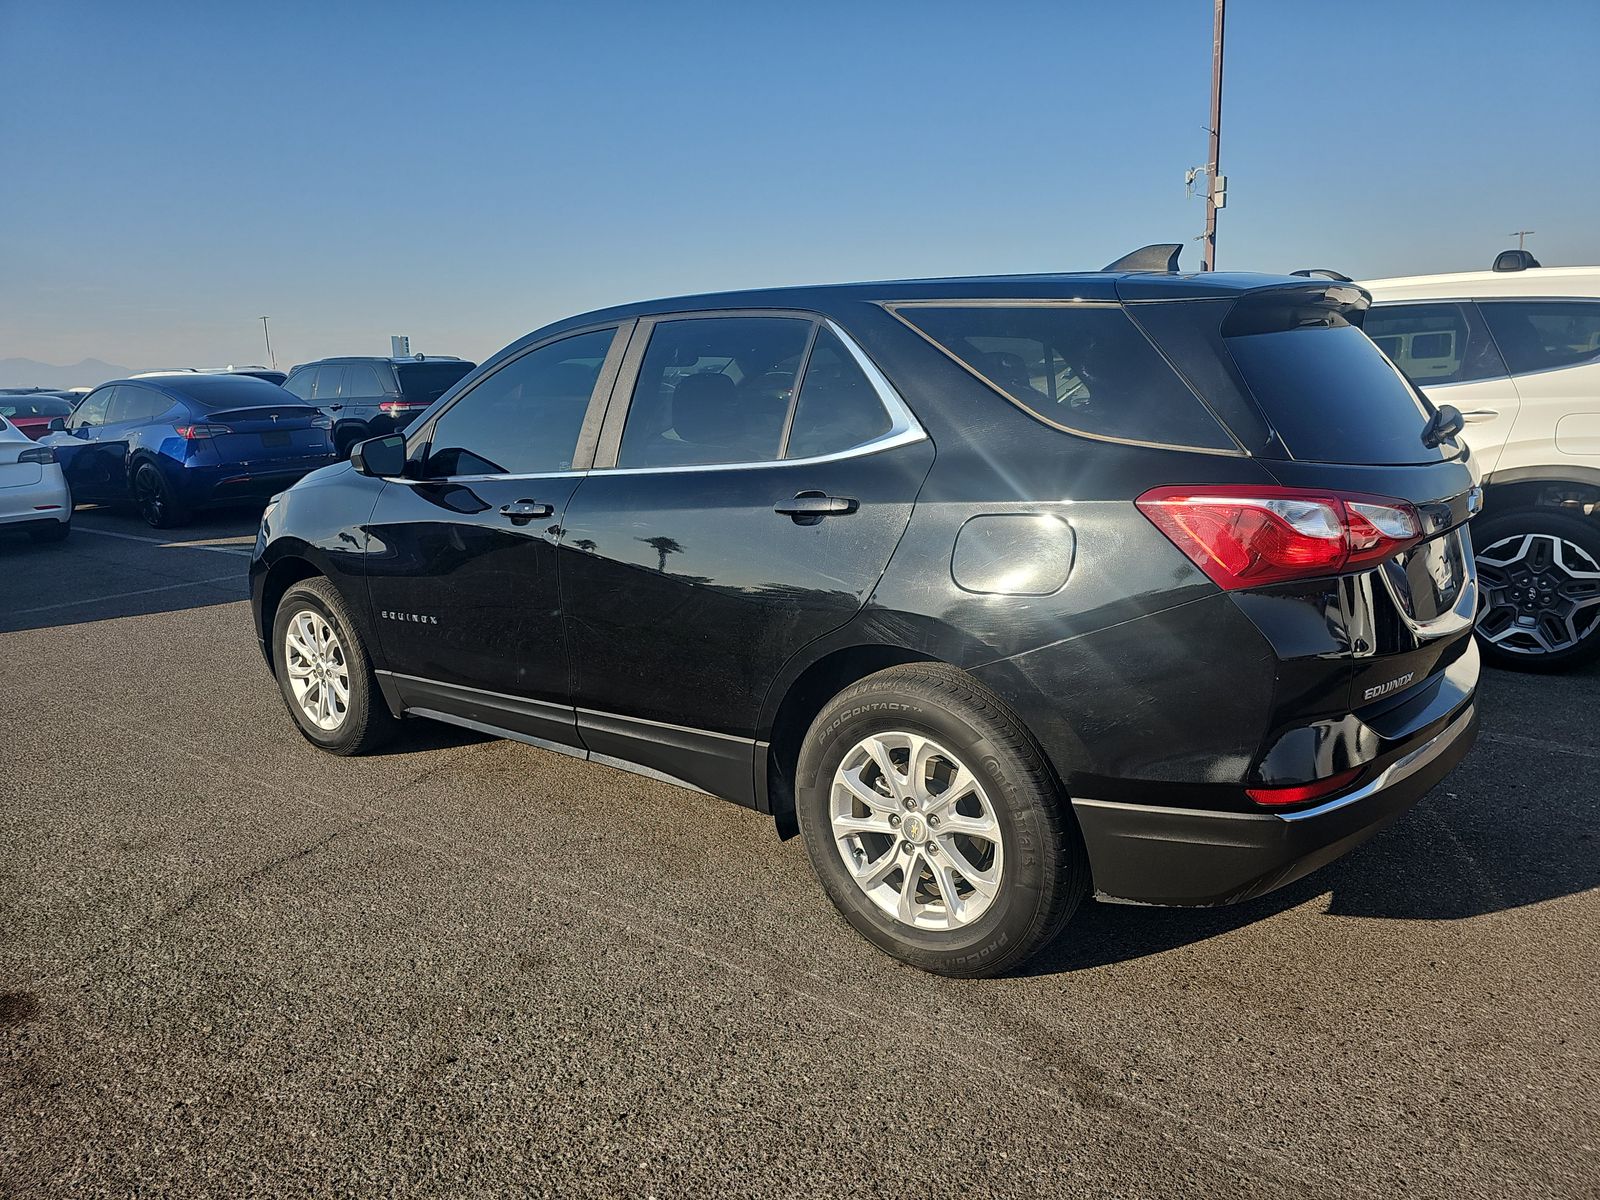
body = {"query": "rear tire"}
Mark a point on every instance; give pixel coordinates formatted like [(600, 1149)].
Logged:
[(1540, 577), (324, 673), (45, 534), (923, 756), (158, 505)]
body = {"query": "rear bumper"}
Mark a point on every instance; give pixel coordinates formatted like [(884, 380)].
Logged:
[(252, 481), (1150, 855)]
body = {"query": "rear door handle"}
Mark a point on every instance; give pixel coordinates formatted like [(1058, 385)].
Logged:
[(810, 507), (522, 511)]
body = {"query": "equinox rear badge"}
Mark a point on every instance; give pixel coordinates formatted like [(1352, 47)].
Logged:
[(1394, 685)]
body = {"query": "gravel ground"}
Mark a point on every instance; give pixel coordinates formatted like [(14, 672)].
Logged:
[(231, 965)]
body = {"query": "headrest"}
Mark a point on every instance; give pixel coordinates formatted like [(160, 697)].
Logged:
[(703, 408)]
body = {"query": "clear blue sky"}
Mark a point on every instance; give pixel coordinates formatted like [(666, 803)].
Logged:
[(465, 172)]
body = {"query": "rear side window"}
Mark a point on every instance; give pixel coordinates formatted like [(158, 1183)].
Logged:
[(138, 404), (326, 386), (1084, 369), (362, 380), (1535, 335), (837, 408), (300, 382), (1435, 343), (525, 418), (423, 383), (713, 390), (1332, 396)]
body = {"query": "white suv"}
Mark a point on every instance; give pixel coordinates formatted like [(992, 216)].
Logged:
[(1517, 350)]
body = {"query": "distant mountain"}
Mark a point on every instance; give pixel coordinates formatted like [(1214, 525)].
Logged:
[(25, 372)]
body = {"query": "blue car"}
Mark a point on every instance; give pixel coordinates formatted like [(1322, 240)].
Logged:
[(176, 443)]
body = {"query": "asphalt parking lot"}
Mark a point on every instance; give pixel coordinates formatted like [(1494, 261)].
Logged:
[(232, 965)]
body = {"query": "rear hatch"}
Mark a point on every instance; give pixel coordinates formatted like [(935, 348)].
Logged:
[(1289, 370), (263, 432)]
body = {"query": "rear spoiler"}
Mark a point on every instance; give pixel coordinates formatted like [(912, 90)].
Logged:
[(1322, 272), (1290, 306)]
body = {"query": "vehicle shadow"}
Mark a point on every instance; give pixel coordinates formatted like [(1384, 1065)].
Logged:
[(1516, 824), (114, 565)]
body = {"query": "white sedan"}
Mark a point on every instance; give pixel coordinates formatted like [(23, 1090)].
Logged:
[(33, 491)]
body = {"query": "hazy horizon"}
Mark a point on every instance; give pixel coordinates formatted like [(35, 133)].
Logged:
[(463, 176)]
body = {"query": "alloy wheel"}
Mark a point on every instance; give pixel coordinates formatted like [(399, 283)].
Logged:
[(318, 671), (147, 490), (1541, 594), (916, 831)]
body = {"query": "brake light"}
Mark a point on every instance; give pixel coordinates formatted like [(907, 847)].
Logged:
[(1247, 536), (321, 420), (1278, 797), (194, 433), (37, 454), (398, 408)]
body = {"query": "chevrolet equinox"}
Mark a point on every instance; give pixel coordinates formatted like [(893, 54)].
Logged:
[(1001, 592)]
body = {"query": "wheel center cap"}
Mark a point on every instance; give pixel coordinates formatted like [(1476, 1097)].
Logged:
[(913, 828)]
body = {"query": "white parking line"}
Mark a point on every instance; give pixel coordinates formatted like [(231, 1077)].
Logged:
[(236, 551), (167, 587)]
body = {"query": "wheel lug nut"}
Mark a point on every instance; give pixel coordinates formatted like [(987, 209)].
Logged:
[(894, 820), (911, 803), (930, 848), (905, 847), (933, 822)]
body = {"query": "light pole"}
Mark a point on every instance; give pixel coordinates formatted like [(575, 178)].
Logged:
[(1520, 234), (1214, 183), (272, 359)]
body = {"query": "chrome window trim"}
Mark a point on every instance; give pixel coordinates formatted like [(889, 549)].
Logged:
[(904, 429)]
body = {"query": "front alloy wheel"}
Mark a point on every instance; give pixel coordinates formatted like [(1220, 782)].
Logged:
[(319, 673), (324, 673), (1540, 574)]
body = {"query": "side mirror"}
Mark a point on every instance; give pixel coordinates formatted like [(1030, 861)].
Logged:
[(380, 457), (57, 425)]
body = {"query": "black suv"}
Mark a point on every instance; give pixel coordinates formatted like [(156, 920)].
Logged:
[(367, 397), (1002, 591)]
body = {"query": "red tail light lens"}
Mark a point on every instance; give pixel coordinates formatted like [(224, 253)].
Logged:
[(1278, 797), (37, 454), (195, 433), (399, 408), (1247, 536)]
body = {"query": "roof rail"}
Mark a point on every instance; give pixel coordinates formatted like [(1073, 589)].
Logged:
[(1514, 260), (1160, 257), (1314, 272)]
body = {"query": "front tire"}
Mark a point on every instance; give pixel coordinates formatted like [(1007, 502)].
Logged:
[(1540, 577), (934, 824), (324, 673)]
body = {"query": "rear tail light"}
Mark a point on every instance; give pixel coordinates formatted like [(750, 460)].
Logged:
[(38, 454), (1247, 536), (1279, 797), (321, 420), (195, 433), (400, 408)]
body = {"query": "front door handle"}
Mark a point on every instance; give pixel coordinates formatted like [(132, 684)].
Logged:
[(1480, 414), (521, 512), (810, 507)]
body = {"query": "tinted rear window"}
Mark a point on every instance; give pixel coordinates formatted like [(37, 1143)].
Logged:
[(1333, 396), (1084, 369), (428, 381)]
